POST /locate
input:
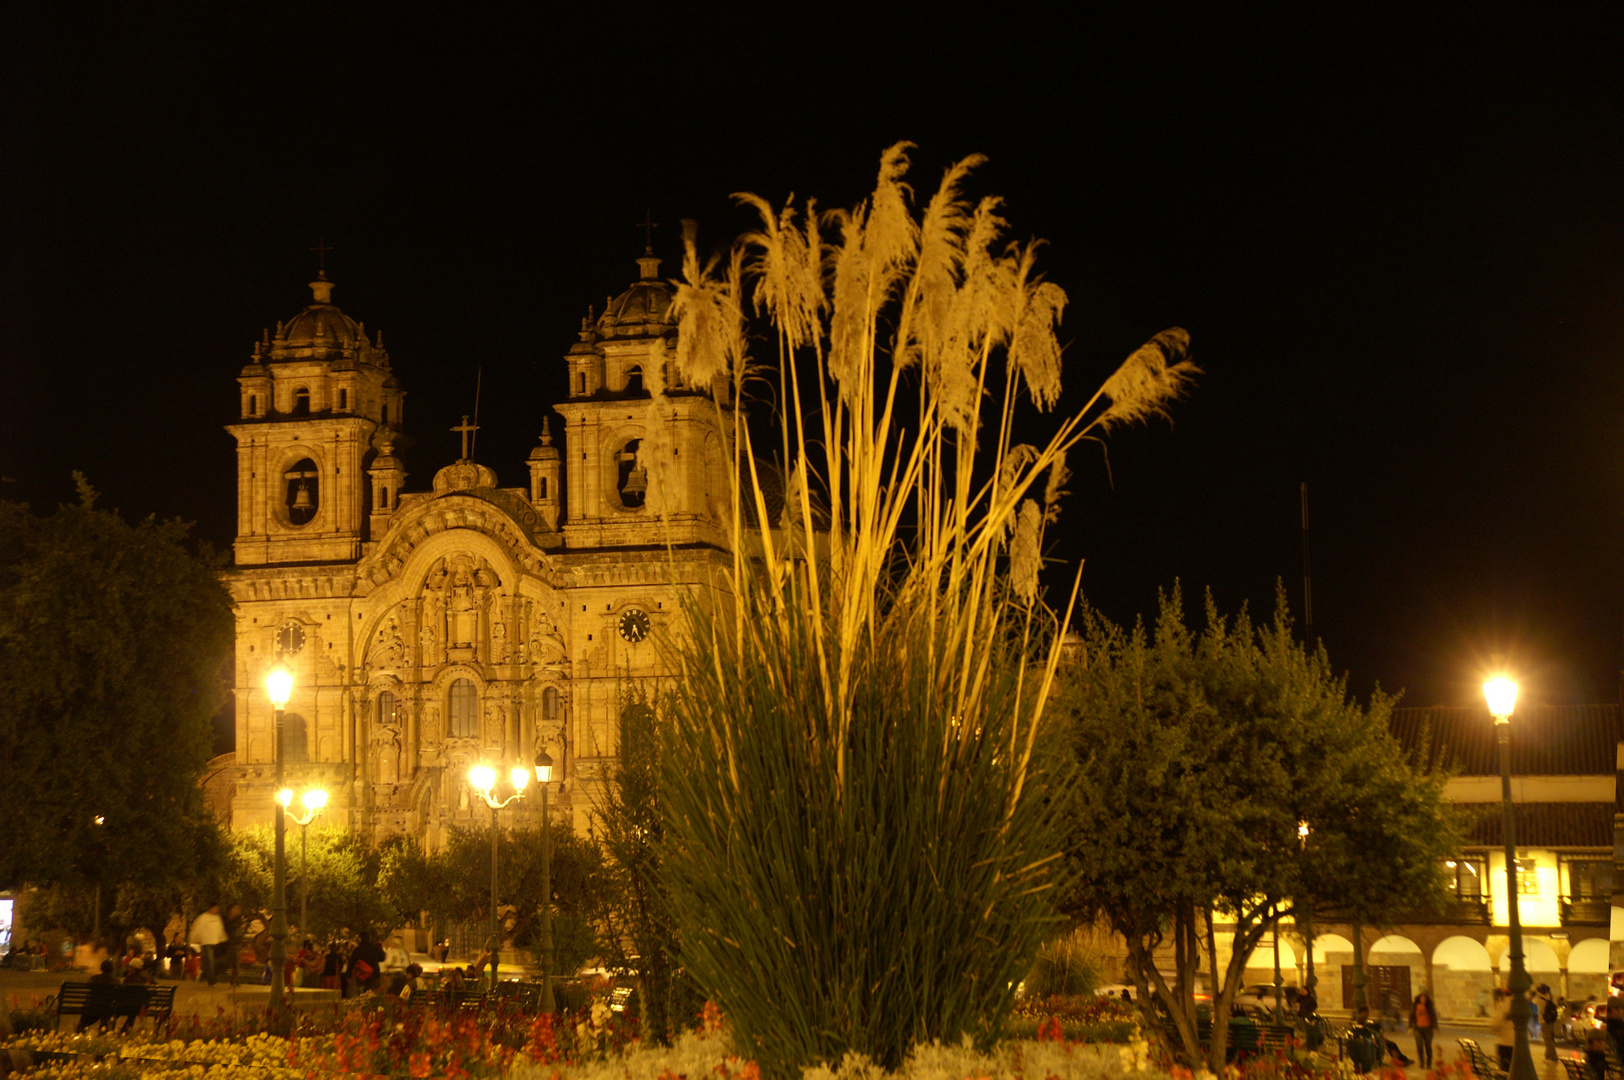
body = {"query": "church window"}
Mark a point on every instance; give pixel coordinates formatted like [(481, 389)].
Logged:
[(343, 400), (541, 487), (253, 405), (295, 738), (463, 709), (301, 402), (632, 479), (580, 382), (549, 703), (386, 412), (386, 708), (634, 380), (303, 495)]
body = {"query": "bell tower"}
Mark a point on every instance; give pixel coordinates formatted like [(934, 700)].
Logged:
[(643, 465), (319, 411)]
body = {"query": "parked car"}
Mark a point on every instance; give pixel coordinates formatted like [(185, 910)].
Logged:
[(1579, 1019), (1261, 996)]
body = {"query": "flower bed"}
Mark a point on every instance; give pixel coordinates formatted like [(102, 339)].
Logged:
[(595, 1044)]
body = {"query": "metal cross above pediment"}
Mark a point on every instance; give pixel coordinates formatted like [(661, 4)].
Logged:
[(467, 429)]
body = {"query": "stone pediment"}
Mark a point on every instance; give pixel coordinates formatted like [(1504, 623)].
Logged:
[(505, 518), (462, 476)]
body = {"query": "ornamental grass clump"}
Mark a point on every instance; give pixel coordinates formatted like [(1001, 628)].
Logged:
[(858, 833)]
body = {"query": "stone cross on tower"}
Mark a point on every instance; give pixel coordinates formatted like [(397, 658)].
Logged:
[(648, 225), (467, 429), (321, 249)]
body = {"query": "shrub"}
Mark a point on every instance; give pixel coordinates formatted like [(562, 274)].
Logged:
[(858, 829), (1064, 966)]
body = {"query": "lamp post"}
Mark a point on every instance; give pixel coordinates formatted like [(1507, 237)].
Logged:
[(279, 687), (483, 778), (1309, 979), (314, 801), (1501, 694), (544, 777)]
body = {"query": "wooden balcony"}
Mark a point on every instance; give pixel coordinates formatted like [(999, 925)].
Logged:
[(1586, 911)]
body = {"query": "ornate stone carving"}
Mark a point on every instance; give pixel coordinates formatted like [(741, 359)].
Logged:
[(386, 739)]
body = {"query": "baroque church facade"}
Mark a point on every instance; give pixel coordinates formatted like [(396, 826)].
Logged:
[(431, 630)]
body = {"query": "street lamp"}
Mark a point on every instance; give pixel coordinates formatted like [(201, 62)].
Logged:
[(1309, 979), (483, 778), (544, 777), (279, 687), (314, 801), (1501, 694)]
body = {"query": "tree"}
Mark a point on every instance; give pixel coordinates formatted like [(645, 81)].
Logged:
[(343, 871), (115, 645), (641, 936), (1199, 756), (454, 884), (857, 835)]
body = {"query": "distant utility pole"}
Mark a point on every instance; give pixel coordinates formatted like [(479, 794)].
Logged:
[(1308, 576)]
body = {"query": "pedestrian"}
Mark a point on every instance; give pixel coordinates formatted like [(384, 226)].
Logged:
[(366, 966), (1424, 1022), (208, 932), (1308, 1009), (1596, 1052), (1506, 1010), (1548, 1014), (231, 948), (332, 968), (304, 969)]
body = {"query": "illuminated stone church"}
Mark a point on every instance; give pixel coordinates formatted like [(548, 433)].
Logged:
[(463, 621)]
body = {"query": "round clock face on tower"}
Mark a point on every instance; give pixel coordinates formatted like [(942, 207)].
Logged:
[(290, 638), (634, 625)]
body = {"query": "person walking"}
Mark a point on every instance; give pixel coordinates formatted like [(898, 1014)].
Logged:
[(1547, 1013), (1424, 1022), (208, 931), (1507, 1015)]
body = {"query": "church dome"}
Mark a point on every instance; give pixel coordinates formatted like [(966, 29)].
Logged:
[(321, 321), (643, 308)]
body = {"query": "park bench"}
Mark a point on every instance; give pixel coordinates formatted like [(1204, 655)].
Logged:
[(1482, 1067), (1576, 1068), (1277, 1037), (111, 1001), (523, 996)]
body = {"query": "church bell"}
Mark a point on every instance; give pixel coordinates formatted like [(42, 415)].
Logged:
[(636, 482), (301, 497)]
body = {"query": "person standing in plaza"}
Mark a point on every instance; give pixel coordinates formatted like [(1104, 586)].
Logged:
[(1548, 1013), (231, 948), (1424, 1022), (208, 931)]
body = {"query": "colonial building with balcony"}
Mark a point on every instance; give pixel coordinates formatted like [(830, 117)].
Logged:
[(1565, 788)]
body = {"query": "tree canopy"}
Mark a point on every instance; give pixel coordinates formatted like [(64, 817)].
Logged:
[(115, 644), (1200, 755)]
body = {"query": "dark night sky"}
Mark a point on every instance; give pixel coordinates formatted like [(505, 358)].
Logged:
[(1396, 246)]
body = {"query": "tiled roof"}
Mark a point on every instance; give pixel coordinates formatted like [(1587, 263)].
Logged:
[(1546, 740), (1560, 824)]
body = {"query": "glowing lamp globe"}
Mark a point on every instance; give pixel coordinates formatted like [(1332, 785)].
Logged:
[(482, 777), (285, 797), (521, 777), (279, 685), (1501, 693), (315, 799), (544, 767)]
